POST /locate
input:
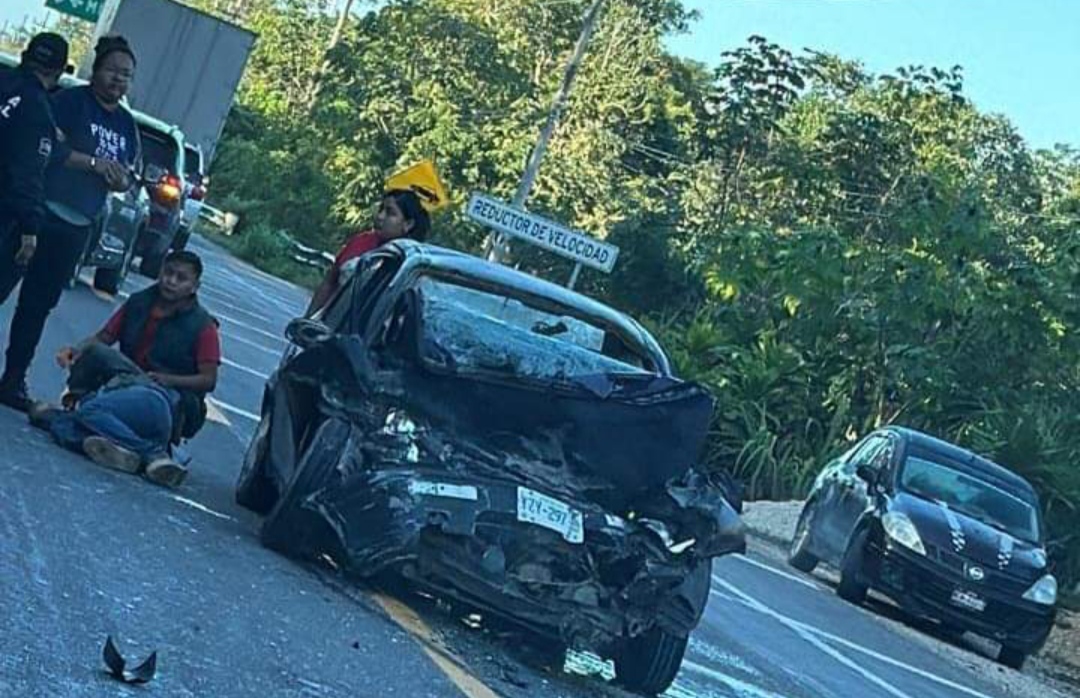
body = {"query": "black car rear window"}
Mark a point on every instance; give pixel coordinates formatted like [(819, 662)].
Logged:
[(480, 330), (158, 149), (969, 494)]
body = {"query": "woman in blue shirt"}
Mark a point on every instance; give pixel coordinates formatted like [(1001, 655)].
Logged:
[(99, 149)]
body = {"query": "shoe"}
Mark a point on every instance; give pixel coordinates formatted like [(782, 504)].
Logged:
[(165, 471), (15, 395), (105, 452), (41, 413)]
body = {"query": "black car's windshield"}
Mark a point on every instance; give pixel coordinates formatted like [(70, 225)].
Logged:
[(483, 330), (970, 495)]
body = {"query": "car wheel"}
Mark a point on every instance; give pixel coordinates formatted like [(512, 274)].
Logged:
[(290, 527), (852, 588), (254, 491), (1012, 657), (648, 663), (108, 280), (799, 556)]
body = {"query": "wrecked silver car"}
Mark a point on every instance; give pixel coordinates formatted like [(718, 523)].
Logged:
[(499, 440)]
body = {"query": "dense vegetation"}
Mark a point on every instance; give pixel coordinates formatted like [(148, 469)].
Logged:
[(829, 250)]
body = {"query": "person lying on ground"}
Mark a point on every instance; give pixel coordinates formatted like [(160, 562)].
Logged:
[(127, 408)]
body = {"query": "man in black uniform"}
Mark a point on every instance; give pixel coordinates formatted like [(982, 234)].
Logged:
[(27, 137)]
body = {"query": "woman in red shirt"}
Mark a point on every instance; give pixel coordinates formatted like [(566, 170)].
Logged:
[(400, 215)]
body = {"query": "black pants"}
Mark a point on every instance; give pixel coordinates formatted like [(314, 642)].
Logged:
[(59, 247)]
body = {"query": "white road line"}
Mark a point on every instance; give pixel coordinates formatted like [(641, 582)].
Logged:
[(781, 573), (250, 328), (201, 507), (212, 297), (255, 345), (226, 407), (741, 688), (802, 631), (810, 630), (245, 369)]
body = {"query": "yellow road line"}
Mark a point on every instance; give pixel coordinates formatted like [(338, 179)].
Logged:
[(450, 665)]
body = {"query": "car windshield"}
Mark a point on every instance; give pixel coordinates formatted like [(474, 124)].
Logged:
[(969, 495), (482, 330)]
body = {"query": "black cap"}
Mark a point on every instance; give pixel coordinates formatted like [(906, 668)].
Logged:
[(47, 50)]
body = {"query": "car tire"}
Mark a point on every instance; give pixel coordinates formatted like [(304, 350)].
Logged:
[(290, 528), (799, 556), (852, 588), (648, 663), (1012, 657), (254, 491), (108, 280)]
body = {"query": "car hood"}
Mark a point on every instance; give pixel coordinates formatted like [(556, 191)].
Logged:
[(952, 533)]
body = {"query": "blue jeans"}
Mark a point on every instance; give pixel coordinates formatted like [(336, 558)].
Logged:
[(136, 417)]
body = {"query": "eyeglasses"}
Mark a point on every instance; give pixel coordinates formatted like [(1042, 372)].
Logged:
[(122, 74)]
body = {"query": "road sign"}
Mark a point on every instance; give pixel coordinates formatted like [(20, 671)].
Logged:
[(542, 232), (89, 10)]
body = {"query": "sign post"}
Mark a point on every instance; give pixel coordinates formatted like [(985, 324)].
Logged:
[(89, 10), (509, 220)]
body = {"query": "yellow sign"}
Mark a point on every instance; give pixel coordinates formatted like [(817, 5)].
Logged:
[(423, 179)]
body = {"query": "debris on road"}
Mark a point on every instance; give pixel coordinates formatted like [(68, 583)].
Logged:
[(143, 673)]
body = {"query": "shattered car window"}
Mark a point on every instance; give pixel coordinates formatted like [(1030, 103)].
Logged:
[(473, 329)]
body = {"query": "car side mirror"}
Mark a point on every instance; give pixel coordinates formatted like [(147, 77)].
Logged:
[(305, 332), (865, 472)]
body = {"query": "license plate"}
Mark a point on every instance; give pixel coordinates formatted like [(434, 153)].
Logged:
[(969, 600), (542, 510)]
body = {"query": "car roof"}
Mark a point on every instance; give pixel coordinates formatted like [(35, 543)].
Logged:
[(441, 259), (974, 462)]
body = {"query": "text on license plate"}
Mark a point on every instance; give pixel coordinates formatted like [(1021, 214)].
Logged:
[(969, 600), (542, 510)]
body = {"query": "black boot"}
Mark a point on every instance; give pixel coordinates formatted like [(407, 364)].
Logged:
[(13, 393)]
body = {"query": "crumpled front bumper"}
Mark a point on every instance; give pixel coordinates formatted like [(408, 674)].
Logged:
[(924, 588)]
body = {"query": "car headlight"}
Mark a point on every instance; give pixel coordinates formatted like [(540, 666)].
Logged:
[(900, 528), (1043, 591)]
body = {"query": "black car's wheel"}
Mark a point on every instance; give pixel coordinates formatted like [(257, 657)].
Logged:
[(1012, 657), (109, 280), (648, 663), (290, 528), (852, 588), (254, 490), (799, 555)]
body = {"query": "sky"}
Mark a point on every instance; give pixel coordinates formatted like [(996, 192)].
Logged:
[(1021, 58)]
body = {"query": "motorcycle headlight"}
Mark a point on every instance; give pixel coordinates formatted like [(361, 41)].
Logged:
[(900, 529), (1043, 591)]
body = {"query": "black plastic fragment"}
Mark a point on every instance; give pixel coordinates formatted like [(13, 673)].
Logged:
[(117, 665)]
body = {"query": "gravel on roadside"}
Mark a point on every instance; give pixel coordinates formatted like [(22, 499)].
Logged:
[(1054, 671)]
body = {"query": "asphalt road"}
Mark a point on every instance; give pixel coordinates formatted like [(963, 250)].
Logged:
[(86, 552)]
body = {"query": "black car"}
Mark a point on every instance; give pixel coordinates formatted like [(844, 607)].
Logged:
[(945, 533), (499, 440)]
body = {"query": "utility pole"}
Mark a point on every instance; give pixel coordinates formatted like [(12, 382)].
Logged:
[(497, 245), (335, 39)]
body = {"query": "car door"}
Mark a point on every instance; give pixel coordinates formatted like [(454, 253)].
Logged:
[(856, 494), (833, 512)]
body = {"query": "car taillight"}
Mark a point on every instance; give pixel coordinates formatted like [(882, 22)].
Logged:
[(168, 190), (198, 192)]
